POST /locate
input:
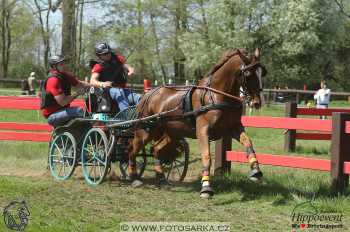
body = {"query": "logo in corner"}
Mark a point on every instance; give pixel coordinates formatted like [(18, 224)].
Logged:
[(307, 216), (16, 215)]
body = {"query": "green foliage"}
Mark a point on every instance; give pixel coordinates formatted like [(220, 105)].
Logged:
[(303, 41)]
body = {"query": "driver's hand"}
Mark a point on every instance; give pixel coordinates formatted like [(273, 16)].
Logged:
[(131, 71), (82, 90), (107, 84)]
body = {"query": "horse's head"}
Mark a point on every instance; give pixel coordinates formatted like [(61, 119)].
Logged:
[(252, 72)]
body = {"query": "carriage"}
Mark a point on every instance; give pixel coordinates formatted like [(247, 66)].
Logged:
[(207, 111), (102, 137)]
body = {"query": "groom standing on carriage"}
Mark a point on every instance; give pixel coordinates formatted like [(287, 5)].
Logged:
[(111, 71)]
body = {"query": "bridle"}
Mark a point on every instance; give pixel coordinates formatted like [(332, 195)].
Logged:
[(246, 72)]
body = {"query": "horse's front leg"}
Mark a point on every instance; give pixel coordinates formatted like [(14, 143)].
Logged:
[(255, 174), (203, 137), (140, 140), (157, 147)]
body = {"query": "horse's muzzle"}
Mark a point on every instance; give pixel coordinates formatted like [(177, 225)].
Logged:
[(256, 102)]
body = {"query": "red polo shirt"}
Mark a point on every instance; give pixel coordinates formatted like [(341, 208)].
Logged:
[(98, 67), (53, 86)]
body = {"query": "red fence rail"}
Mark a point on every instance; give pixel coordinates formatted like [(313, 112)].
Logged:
[(293, 111), (338, 165), (15, 131), (27, 103)]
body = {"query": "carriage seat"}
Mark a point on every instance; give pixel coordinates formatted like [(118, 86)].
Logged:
[(99, 101)]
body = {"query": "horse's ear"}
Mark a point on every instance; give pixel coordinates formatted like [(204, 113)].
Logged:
[(243, 57), (257, 53)]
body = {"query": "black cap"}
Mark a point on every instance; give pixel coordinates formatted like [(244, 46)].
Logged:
[(102, 48), (56, 59)]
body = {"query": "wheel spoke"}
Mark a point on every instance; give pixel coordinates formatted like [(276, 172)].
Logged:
[(169, 171), (62, 142), (91, 169), (66, 143), (64, 167), (91, 144), (58, 148), (99, 160), (99, 169), (95, 172), (60, 170), (179, 172), (99, 143), (88, 150)]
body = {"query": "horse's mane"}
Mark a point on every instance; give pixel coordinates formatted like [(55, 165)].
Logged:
[(224, 58)]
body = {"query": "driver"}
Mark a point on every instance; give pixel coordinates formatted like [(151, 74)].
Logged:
[(56, 94), (111, 71)]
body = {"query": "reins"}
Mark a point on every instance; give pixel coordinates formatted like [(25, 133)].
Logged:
[(185, 87)]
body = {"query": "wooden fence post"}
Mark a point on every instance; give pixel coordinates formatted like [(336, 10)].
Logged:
[(290, 135), (221, 164), (340, 151)]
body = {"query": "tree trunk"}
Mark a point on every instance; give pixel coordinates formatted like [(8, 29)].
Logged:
[(180, 26), (140, 38), (81, 14), (205, 24), (44, 29), (69, 32), (154, 31), (5, 36)]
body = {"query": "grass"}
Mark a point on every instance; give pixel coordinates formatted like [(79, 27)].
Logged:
[(74, 206)]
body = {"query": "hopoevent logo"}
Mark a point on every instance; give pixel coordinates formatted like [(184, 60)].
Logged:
[(306, 216)]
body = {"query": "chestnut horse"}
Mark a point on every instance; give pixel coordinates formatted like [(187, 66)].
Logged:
[(216, 111)]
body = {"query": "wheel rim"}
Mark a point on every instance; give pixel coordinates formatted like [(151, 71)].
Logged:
[(62, 156), (176, 171), (94, 158)]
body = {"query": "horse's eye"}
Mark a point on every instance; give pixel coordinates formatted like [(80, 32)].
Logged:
[(246, 73)]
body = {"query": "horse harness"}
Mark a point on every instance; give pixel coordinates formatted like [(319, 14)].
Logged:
[(190, 114)]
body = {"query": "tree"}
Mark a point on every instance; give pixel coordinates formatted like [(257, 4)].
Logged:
[(44, 24), (6, 10), (69, 31)]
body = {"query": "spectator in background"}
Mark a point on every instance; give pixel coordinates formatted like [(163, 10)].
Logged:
[(322, 97), (31, 80), (24, 87)]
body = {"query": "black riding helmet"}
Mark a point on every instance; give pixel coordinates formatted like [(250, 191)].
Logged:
[(56, 59), (102, 48)]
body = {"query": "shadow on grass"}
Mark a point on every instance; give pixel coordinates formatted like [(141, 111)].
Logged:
[(272, 186), (282, 187), (312, 150)]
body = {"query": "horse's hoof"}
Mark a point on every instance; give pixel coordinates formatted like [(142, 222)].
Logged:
[(164, 185), (112, 176), (136, 183), (162, 182), (255, 175), (206, 192), (205, 196)]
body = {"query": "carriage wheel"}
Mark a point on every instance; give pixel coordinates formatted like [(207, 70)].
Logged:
[(62, 156), (176, 170), (94, 160), (141, 161)]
